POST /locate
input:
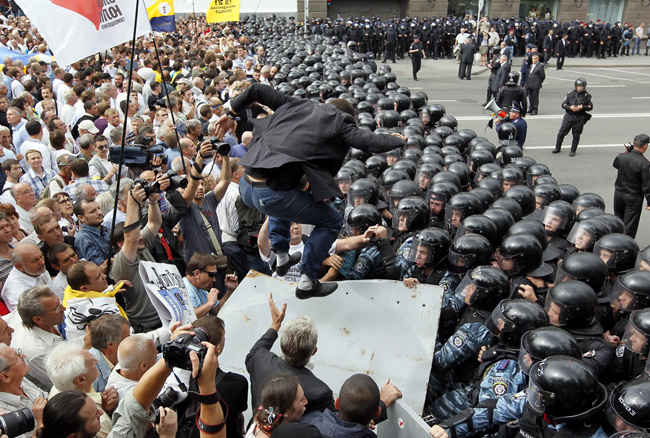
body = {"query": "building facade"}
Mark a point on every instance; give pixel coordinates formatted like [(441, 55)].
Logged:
[(625, 11)]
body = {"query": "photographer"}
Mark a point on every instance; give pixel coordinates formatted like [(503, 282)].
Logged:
[(133, 246)]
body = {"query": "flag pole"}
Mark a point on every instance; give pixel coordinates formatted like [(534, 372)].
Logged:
[(126, 112), (162, 78)]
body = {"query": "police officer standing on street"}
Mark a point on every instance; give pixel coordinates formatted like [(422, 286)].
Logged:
[(390, 41), (576, 104), (632, 184), (417, 53)]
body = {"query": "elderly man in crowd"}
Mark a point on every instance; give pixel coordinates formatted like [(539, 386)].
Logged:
[(29, 270), (106, 334), (25, 199), (135, 355)]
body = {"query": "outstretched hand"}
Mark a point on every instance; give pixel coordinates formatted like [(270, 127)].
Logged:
[(277, 316)]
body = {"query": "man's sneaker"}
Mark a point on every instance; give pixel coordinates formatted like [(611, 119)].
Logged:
[(319, 290), (294, 258)]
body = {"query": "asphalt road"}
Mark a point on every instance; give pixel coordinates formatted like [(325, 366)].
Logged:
[(620, 88)]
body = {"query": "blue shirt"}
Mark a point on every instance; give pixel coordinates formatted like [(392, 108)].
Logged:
[(92, 243), (19, 134), (198, 296), (238, 151), (37, 183)]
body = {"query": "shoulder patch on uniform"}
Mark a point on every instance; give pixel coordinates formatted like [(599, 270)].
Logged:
[(500, 386), (620, 351), (359, 265), (590, 353), (458, 341)]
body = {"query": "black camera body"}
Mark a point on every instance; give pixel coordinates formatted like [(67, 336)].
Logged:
[(219, 146), (176, 181), (176, 352), (136, 154)]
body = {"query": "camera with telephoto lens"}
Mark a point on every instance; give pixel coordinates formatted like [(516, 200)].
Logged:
[(218, 145), (137, 154), (176, 352), (176, 181), (165, 400), (17, 423)]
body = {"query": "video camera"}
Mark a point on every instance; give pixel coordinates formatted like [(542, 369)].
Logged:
[(176, 352), (176, 181), (138, 153)]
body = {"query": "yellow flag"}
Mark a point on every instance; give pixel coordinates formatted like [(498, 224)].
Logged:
[(223, 10)]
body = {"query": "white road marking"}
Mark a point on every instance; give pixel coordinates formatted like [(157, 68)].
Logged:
[(593, 146), (607, 86), (602, 76), (559, 116), (626, 71)]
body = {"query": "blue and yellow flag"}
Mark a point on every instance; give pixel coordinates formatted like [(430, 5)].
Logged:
[(223, 10), (161, 16)]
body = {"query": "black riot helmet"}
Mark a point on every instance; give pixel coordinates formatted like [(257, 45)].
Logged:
[(363, 216), (484, 146), (631, 291), (375, 165), (582, 266), (571, 304), (513, 78), (358, 165), (569, 192), (447, 176), (412, 214), (508, 154), (433, 140), (402, 101), (429, 247), (456, 141), (543, 342), (385, 104), (468, 252), (565, 389), (586, 233), (485, 196), (546, 179), (580, 82), (359, 156), (535, 171), (363, 191), (412, 154), (418, 101), (407, 166), (512, 174), (431, 158), (558, 217), (449, 121), (524, 195), (483, 288), (493, 185), (615, 223), (545, 194), (439, 194), (628, 407), (588, 213), (462, 170), (436, 112), (443, 131), (345, 177), (477, 158), (459, 207), (509, 204), (507, 133), (503, 220), (524, 163), (390, 177), (531, 227), (468, 135), (618, 251), (478, 224), (387, 119), (522, 254), (511, 319), (400, 190), (587, 200), (637, 333)]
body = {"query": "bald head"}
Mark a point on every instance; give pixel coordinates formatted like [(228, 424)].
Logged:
[(246, 138), (28, 259), (136, 354)]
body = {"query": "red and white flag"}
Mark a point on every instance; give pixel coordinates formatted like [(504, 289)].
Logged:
[(75, 29)]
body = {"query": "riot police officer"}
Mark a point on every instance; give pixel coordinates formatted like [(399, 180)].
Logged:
[(416, 51), (576, 104)]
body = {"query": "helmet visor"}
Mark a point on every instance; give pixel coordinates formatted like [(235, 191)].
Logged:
[(461, 262), (402, 219), (358, 197), (498, 322), (453, 217), (634, 339), (530, 180), (538, 399), (611, 257), (557, 312), (553, 219), (619, 424), (525, 359), (423, 178), (580, 236), (421, 252), (466, 289), (509, 264), (642, 263), (393, 200), (461, 231), (561, 275), (622, 298), (344, 182)]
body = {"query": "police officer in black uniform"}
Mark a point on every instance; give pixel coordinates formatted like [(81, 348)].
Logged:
[(632, 184), (576, 104), (389, 43), (416, 50)]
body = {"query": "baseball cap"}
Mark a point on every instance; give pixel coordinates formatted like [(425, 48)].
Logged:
[(515, 108), (88, 126), (641, 139)]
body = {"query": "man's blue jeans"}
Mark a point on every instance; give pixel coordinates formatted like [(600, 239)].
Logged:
[(636, 45), (284, 207)]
